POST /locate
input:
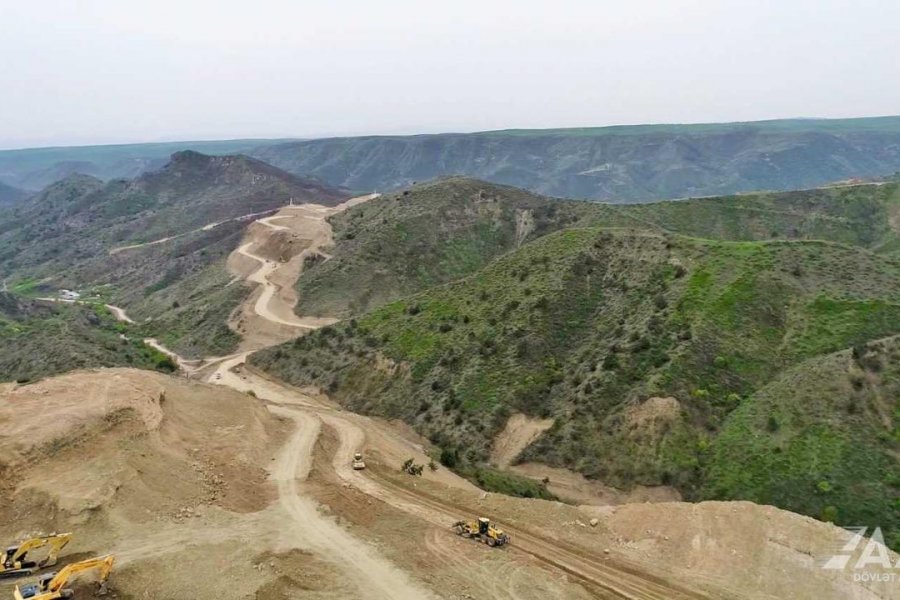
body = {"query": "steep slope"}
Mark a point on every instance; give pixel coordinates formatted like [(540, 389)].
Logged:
[(828, 428), (859, 215), (636, 163), (39, 339), (36, 168), (435, 232), (638, 345), (10, 195), (156, 244)]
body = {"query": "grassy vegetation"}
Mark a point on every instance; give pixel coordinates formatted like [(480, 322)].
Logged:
[(863, 215), (505, 482), (821, 439), (433, 233), (39, 340), (65, 237), (190, 315), (436, 232), (585, 325)]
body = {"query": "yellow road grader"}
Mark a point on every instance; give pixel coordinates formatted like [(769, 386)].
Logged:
[(482, 530)]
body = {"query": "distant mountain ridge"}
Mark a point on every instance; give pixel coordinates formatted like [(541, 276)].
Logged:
[(619, 164), (36, 168)]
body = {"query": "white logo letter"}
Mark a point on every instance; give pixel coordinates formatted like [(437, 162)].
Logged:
[(875, 547), (839, 561)]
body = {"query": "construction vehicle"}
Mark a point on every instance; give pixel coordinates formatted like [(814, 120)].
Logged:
[(358, 462), (15, 560), (482, 530), (52, 586)]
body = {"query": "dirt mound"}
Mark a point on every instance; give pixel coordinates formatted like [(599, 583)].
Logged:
[(713, 549), (743, 546), (107, 445), (520, 431), (576, 488)]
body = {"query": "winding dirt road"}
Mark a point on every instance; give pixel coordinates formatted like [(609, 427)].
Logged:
[(206, 227), (374, 575), (596, 574)]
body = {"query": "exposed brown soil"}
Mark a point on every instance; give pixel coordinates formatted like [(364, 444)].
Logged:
[(577, 489), (519, 432), (245, 490)]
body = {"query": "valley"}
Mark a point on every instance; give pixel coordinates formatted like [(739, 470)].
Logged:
[(470, 301), (266, 485)]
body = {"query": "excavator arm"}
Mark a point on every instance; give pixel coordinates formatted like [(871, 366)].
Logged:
[(14, 560), (53, 587)]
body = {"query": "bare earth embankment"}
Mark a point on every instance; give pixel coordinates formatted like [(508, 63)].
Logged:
[(245, 490)]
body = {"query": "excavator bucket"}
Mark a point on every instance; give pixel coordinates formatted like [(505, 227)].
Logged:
[(53, 585)]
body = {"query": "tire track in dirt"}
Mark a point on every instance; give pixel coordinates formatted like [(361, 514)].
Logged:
[(377, 577), (613, 580), (601, 576), (374, 576)]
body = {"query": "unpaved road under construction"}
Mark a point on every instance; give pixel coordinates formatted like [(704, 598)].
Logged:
[(377, 577), (268, 505)]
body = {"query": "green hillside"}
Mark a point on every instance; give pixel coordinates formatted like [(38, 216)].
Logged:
[(587, 325), (432, 233), (859, 215), (71, 235), (39, 339), (821, 439)]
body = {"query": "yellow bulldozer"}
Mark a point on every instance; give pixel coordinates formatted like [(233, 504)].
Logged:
[(52, 586), (16, 560), (482, 530)]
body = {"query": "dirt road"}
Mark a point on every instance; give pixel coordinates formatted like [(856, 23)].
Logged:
[(206, 227), (273, 254), (375, 577), (310, 413), (416, 556)]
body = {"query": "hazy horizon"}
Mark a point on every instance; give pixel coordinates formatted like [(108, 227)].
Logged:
[(108, 73), (412, 133)]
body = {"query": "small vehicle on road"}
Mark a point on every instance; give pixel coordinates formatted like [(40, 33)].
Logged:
[(358, 463)]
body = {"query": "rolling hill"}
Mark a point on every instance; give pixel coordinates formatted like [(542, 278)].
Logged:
[(619, 164), (435, 232), (98, 237), (657, 354), (39, 339)]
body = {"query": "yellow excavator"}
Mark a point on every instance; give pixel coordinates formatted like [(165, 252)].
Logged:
[(52, 586), (482, 530), (15, 560)]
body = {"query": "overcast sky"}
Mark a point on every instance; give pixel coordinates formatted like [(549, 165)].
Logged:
[(76, 72)]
